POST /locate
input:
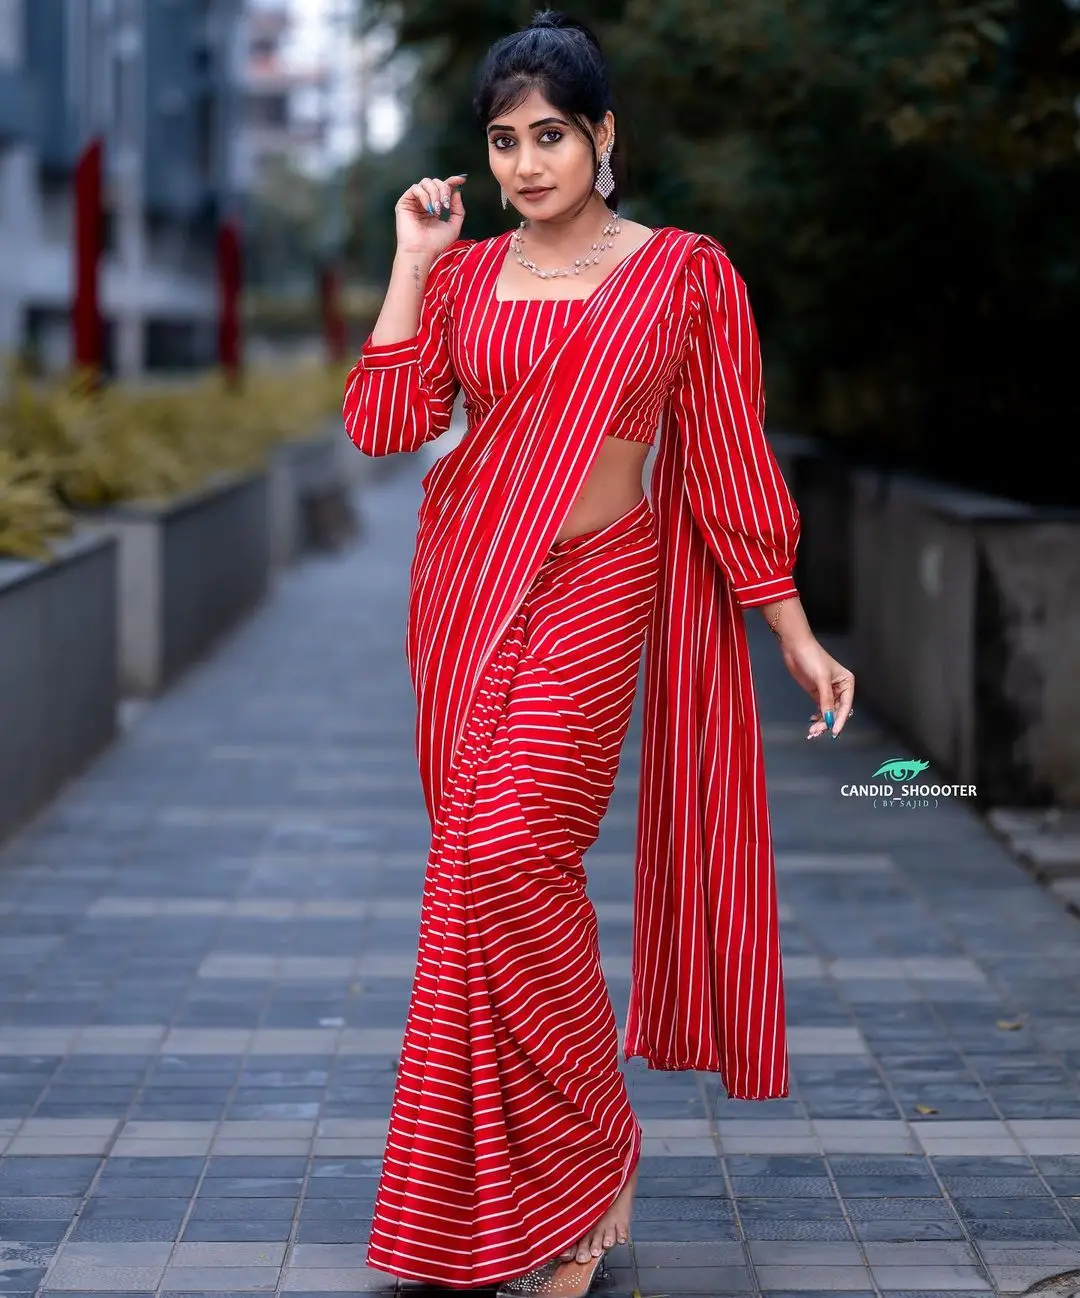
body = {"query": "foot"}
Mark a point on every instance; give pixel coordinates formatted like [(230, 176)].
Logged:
[(612, 1228)]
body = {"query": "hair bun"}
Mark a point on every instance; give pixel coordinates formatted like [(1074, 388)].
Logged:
[(551, 18), (555, 19)]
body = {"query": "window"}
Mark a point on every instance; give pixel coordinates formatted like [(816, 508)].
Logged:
[(11, 34)]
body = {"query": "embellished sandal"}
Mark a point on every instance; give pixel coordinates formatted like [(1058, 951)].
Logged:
[(557, 1278)]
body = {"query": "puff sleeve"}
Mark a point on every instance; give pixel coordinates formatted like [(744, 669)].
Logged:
[(737, 495), (400, 395)]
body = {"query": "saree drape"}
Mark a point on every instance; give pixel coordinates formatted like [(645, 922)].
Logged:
[(500, 1151)]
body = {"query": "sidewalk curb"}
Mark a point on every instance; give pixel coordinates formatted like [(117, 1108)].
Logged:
[(1046, 843)]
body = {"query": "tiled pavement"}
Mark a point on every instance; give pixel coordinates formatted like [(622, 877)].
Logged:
[(205, 948)]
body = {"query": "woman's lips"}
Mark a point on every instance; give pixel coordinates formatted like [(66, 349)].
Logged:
[(534, 193)]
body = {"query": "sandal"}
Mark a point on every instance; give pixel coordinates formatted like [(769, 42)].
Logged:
[(557, 1278)]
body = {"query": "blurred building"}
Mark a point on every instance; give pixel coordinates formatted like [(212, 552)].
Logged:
[(318, 92), (161, 83), (285, 93)]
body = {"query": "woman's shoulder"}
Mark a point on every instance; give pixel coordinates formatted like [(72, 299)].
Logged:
[(704, 249), (709, 269)]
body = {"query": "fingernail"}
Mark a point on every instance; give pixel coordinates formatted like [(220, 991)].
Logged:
[(829, 719), (431, 209)]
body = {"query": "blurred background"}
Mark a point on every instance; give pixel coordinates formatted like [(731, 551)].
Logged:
[(898, 183), (196, 226)]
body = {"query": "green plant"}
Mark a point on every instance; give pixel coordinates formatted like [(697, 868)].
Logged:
[(30, 515), (69, 446)]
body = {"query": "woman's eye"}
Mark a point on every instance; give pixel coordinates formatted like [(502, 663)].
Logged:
[(551, 136)]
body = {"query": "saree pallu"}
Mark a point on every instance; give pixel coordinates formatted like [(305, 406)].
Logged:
[(512, 1131)]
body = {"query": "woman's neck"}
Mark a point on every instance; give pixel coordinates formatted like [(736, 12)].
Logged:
[(570, 235)]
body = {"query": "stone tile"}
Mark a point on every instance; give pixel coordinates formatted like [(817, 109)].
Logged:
[(102, 1254), (677, 1128), (747, 1144), (321, 1280), (92, 1278), (858, 863), (68, 1127), (314, 1256), (148, 1147), (348, 1146), (939, 1277), (826, 1041), (813, 1277), (1040, 1146), (353, 1127), (45, 1145), (219, 1279), (802, 1253), (272, 1129), (230, 1254), (692, 1280), (167, 1130), (920, 1253)]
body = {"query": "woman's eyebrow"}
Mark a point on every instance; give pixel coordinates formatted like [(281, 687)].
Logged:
[(544, 121)]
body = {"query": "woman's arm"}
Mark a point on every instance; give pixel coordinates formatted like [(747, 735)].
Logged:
[(736, 492), (401, 391), (399, 318)]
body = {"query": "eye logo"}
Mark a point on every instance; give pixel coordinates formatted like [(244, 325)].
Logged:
[(901, 768)]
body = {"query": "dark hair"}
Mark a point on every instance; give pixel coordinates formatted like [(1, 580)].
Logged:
[(561, 58)]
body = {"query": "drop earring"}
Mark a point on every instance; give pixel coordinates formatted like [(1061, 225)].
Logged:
[(605, 177), (502, 195)]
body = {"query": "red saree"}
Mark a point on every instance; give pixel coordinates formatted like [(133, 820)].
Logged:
[(511, 1131)]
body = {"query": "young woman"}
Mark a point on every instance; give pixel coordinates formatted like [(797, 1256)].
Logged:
[(541, 571)]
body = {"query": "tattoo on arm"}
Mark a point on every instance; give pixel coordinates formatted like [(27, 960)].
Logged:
[(416, 275)]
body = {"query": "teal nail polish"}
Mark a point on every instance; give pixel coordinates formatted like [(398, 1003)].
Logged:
[(431, 209), (829, 719)]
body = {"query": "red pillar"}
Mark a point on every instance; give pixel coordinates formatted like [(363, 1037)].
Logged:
[(333, 318), (88, 247), (229, 285)]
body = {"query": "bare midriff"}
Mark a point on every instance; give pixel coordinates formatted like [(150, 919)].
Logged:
[(613, 487)]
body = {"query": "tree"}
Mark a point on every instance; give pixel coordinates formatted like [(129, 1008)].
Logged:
[(897, 180)]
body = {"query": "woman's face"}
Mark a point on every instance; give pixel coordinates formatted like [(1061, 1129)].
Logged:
[(543, 163)]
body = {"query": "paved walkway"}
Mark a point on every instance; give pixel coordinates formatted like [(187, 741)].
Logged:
[(205, 948)]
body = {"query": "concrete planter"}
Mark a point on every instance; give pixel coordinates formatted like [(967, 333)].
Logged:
[(310, 497), (58, 680), (967, 633), (189, 569), (820, 479)]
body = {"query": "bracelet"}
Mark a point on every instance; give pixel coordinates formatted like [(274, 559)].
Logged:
[(776, 618)]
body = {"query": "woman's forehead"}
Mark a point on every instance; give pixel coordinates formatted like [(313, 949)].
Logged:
[(532, 107)]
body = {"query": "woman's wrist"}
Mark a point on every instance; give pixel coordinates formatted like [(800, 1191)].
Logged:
[(786, 619)]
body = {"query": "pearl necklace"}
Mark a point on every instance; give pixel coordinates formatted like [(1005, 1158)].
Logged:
[(596, 251)]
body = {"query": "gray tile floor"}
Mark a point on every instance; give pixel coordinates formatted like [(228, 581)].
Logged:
[(204, 961)]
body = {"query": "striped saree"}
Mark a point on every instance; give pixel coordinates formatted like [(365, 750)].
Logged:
[(511, 1130)]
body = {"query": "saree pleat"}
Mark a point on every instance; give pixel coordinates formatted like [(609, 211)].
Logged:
[(511, 1130)]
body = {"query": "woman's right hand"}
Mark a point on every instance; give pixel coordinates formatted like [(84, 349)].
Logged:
[(420, 231)]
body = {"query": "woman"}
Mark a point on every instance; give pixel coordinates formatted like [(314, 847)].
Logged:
[(540, 571)]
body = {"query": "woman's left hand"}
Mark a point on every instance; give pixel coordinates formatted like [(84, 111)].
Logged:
[(829, 684)]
